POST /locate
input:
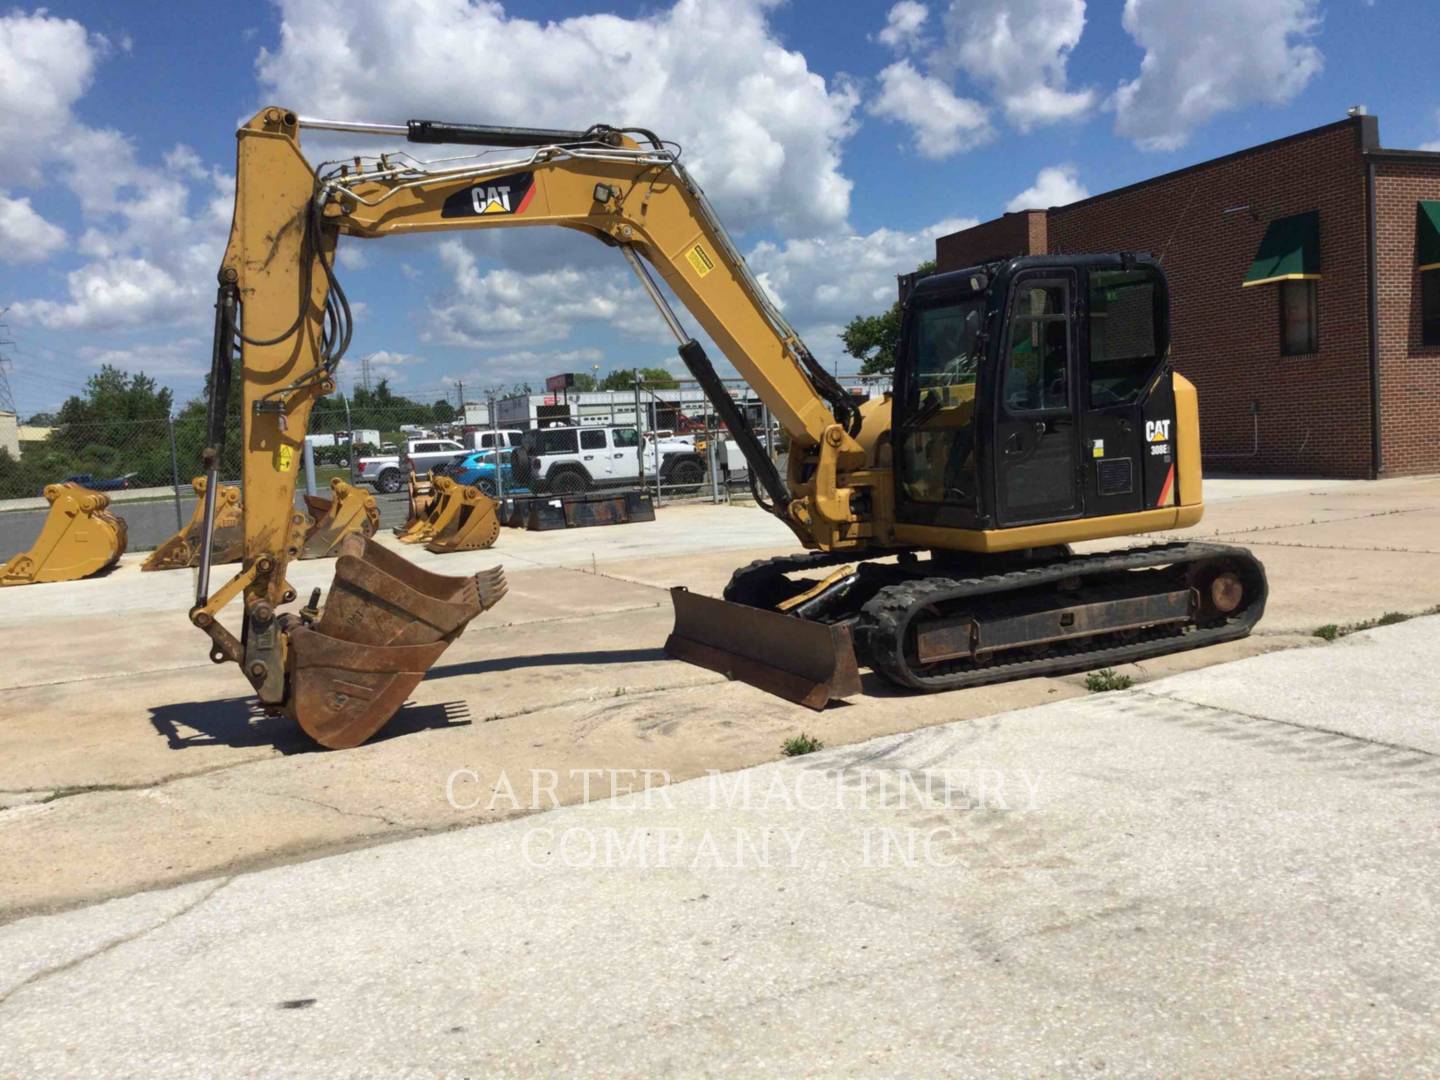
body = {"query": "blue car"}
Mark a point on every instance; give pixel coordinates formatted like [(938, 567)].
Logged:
[(478, 470)]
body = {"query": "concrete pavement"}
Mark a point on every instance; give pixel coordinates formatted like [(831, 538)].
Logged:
[(131, 762), (1226, 872)]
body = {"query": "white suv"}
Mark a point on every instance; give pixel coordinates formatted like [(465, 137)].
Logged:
[(565, 460)]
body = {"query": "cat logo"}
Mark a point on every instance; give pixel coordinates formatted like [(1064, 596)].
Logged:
[(1157, 431), (502, 195)]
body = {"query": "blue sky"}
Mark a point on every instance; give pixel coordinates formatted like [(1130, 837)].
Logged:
[(835, 138)]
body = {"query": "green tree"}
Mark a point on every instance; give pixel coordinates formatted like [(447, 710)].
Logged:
[(442, 412), (584, 383), (656, 378), (118, 425), (875, 339), (41, 419)]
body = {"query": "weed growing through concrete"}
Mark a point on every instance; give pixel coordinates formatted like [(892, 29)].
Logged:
[(1333, 631), (1097, 682), (800, 744)]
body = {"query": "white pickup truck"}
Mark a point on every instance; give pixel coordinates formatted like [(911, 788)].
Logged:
[(386, 472), (566, 460)]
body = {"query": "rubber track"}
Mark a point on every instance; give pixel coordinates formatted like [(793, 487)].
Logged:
[(885, 619)]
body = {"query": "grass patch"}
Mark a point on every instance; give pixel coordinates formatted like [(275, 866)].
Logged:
[(798, 745), (1097, 682), (1334, 631)]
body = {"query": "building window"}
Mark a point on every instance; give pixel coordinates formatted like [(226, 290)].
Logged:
[(1430, 307), (1298, 322)]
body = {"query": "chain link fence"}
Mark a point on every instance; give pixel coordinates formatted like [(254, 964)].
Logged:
[(147, 465)]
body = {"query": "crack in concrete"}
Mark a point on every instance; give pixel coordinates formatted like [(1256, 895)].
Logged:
[(111, 946), (330, 806), (1287, 723), (76, 790)]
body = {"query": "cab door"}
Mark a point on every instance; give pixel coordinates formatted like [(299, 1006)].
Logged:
[(1036, 437)]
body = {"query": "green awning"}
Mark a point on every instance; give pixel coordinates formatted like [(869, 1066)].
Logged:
[(1290, 251), (1427, 234)]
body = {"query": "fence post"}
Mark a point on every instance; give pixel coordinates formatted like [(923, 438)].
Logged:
[(640, 445), (309, 455), (174, 473), (496, 448)]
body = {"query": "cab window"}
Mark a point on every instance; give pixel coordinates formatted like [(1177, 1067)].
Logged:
[(626, 437), (1038, 356), (592, 439), (1124, 345), (937, 455)]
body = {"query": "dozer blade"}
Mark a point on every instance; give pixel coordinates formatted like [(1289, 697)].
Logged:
[(420, 505), (385, 622), (351, 511), (227, 545), (79, 538), (802, 661), (474, 525)]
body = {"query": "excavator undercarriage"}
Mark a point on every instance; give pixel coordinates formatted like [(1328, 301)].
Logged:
[(945, 622)]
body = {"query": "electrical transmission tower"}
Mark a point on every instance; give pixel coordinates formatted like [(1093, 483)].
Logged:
[(365, 372), (7, 399)]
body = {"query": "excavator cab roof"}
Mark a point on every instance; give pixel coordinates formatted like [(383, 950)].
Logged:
[(999, 271)]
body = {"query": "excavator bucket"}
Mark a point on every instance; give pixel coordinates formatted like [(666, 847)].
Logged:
[(349, 512), (802, 661), (227, 545), (385, 622), (421, 503), (444, 507), (79, 538), (472, 522)]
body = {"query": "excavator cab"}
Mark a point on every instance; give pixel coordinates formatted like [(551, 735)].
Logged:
[(1035, 391)]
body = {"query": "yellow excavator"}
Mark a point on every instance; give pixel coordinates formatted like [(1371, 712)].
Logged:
[(1033, 407)]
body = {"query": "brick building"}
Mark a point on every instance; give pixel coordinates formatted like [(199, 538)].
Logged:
[(1304, 275)]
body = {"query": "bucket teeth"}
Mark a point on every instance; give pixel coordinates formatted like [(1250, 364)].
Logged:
[(384, 623), (227, 543), (79, 537)]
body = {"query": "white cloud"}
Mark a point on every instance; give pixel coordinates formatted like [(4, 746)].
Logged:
[(503, 308), (151, 254), (1020, 50), (25, 236), (821, 283), (941, 123), (110, 293), (1055, 185), (1204, 59), (46, 64), (761, 131), (1434, 145), (188, 356), (903, 25)]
